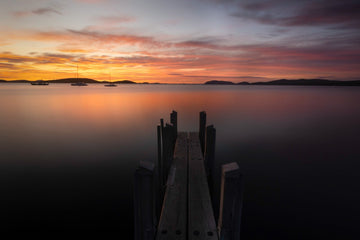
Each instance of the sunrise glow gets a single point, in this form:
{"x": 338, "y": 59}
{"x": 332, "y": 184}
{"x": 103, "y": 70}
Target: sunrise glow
{"x": 186, "y": 41}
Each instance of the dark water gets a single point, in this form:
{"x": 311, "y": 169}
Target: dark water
{"x": 68, "y": 154}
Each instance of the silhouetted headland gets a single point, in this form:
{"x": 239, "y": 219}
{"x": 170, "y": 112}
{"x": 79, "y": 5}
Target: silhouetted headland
{"x": 280, "y": 82}
{"x": 219, "y": 82}
{"x": 298, "y": 82}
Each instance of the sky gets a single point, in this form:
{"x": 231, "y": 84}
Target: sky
{"x": 173, "y": 41}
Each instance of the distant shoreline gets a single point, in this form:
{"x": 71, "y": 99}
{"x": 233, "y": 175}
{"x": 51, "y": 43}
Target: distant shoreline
{"x": 287, "y": 82}
{"x": 280, "y": 82}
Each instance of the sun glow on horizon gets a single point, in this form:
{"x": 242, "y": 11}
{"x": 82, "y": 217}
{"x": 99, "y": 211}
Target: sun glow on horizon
{"x": 200, "y": 41}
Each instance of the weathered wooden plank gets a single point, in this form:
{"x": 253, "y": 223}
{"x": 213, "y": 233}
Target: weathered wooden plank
{"x": 201, "y": 222}
{"x": 173, "y": 219}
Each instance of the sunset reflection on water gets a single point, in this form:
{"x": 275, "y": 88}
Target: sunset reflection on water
{"x": 76, "y": 148}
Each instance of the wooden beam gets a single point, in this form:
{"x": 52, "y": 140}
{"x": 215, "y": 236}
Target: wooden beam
{"x": 173, "y": 220}
{"x": 201, "y": 222}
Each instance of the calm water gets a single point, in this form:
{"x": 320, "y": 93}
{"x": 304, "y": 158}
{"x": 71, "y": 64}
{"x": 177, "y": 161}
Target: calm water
{"x": 68, "y": 154}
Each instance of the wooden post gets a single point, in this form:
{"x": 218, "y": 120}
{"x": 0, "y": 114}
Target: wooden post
{"x": 202, "y": 125}
{"x": 209, "y": 162}
{"x": 173, "y": 121}
{"x": 173, "y": 219}
{"x": 159, "y": 172}
{"x": 168, "y": 150}
{"x": 210, "y": 137}
{"x": 231, "y": 198}
{"x": 144, "y": 202}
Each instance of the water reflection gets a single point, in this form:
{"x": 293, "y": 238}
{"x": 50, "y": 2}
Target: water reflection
{"x": 68, "y": 154}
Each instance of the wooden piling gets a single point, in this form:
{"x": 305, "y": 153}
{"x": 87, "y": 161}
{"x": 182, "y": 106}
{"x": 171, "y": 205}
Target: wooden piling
{"x": 168, "y": 149}
{"x": 173, "y": 121}
{"x": 144, "y": 202}
{"x": 210, "y": 137}
{"x": 202, "y": 126}
{"x": 178, "y": 189}
{"x": 159, "y": 173}
{"x": 209, "y": 156}
{"x": 231, "y": 198}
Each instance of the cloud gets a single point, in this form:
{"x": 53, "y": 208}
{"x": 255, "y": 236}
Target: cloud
{"x": 175, "y": 74}
{"x": 84, "y": 39}
{"x": 113, "y": 20}
{"x": 21, "y": 13}
{"x": 91, "y": 1}
{"x": 308, "y": 13}
{"x": 39, "y": 11}
{"x": 8, "y": 57}
{"x": 42, "y": 11}
{"x": 7, "y": 66}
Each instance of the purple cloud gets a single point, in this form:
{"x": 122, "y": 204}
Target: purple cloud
{"x": 309, "y": 13}
{"x": 39, "y": 11}
{"x": 42, "y": 11}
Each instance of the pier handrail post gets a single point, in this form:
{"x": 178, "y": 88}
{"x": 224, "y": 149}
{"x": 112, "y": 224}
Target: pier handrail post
{"x": 144, "y": 202}
{"x": 231, "y": 198}
{"x": 202, "y": 126}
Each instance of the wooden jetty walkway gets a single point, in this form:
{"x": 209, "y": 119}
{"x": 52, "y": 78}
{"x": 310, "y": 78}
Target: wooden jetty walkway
{"x": 172, "y": 198}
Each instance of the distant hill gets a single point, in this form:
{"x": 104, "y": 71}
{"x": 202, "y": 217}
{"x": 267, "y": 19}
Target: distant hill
{"x": 243, "y": 83}
{"x": 310, "y": 82}
{"x": 298, "y": 82}
{"x": 219, "y": 82}
{"x": 87, "y": 80}
{"x": 125, "y": 82}
{"x": 73, "y": 80}
{"x": 19, "y": 81}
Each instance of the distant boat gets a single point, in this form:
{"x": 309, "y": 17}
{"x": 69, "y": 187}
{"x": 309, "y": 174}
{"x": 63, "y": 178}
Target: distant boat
{"x": 79, "y": 84}
{"x": 110, "y": 84}
{"x": 40, "y": 82}
{"x": 77, "y": 79}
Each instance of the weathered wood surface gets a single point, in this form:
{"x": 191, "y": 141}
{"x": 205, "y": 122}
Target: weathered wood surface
{"x": 173, "y": 219}
{"x": 202, "y": 129}
{"x": 230, "y": 202}
{"x": 144, "y": 211}
{"x": 201, "y": 222}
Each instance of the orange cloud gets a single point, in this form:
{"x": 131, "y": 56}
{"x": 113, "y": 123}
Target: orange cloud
{"x": 92, "y": 1}
{"x": 147, "y": 58}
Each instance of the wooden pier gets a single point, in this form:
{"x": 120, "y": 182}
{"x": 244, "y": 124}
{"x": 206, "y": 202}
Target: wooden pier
{"x": 172, "y": 198}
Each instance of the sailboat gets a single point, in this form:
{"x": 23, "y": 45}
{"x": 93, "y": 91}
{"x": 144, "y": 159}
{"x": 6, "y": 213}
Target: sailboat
{"x": 77, "y": 79}
{"x": 110, "y": 84}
